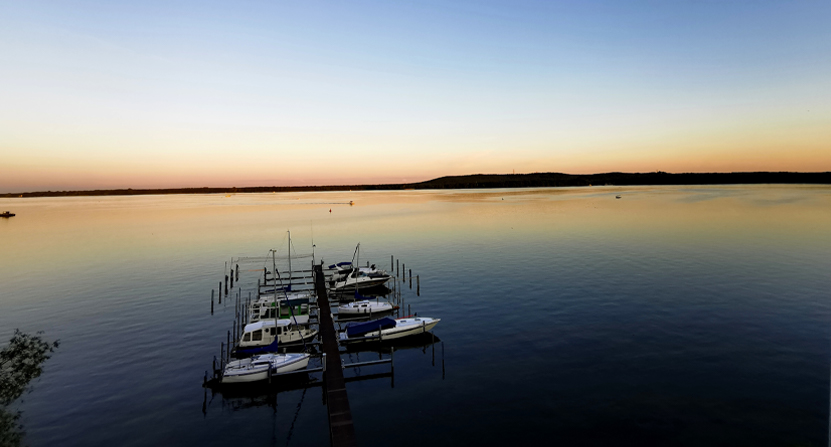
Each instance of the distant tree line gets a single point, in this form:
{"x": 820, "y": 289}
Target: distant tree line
{"x": 535, "y": 180}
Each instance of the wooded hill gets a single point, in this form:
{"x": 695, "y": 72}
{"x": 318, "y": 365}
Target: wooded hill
{"x": 536, "y": 180}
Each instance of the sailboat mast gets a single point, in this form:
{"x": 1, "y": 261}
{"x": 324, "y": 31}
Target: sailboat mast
{"x": 290, "y": 273}
{"x": 274, "y": 267}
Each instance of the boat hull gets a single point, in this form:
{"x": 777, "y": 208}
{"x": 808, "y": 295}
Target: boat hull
{"x": 362, "y": 284}
{"x": 393, "y": 333}
{"x": 371, "y": 308}
{"x": 412, "y": 326}
{"x": 236, "y": 372}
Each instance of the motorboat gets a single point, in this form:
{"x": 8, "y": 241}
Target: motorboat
{"x": 257, "y": 368}
{"x": 364, "y": 307}
{"x": 291, "y": 306}
{"x": 7, "y": 214}
{"x": 359, "y": 279}
{"x": 348, "y": 277}
{"x": 266, "y": 335}
{"x": 388, "y": 328}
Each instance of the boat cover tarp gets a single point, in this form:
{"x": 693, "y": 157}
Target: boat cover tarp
{"x": 360, "y": 329}
{"x": 340, "y": 264}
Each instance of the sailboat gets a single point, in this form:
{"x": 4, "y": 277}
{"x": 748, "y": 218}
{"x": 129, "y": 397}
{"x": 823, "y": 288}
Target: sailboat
{"x": 267, "y": 334}
{"x": 349, "y": 278}
{"x": 388, "y": 329}
{"x": 257, "y": 368}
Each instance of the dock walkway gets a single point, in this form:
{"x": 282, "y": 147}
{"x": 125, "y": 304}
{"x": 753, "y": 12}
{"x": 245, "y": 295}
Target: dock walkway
{"x": 341, "y": 430}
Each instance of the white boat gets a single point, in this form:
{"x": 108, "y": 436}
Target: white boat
{"x": 269, "y": 335}
{"x": 257, "y": 368}
{"x": 291, "y": 305}
{"x": 347, "y": 277}
{"x": 364, "y": 307}
{"x": 388, "y": 328}
{"x": 361, "y": 280}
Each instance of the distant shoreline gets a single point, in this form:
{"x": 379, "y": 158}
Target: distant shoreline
{"x": 481, "y": 181}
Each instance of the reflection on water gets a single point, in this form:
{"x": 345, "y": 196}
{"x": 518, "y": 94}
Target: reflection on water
{"x": 671, "y": 316}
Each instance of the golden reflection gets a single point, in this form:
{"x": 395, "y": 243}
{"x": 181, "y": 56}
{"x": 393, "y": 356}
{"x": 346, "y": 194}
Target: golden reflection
{"x": 83, "y": 232}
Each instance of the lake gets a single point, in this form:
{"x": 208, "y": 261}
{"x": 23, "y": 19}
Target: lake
{"x": 689, "y": 316}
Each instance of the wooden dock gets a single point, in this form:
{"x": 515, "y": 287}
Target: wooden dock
{"x": 341, "y": 430}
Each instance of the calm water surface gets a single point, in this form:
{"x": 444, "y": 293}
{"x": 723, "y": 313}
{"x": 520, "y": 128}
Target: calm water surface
{"x": 690, "y": 316}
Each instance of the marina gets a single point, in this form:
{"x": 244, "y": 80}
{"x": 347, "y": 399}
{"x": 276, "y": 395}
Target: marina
{"x": 290, "y": 310}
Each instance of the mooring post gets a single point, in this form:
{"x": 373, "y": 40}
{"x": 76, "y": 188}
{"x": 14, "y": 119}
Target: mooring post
{"x": 226, "y": 285}
{"x": 418, "y": 286}
{"x": 220, "y": 292}
{"x": 212, "y": 301}
{"x": 404, "y": 271}
{"x": 229, "y": 346}
{"x": 237, "y": 270}
{"x": 411, "y": 278}
{"x": 397, "y": 265}
{"x": 392, "y": 264}
{"x": 442, "y": 360}
{"x": 232, "y": 278}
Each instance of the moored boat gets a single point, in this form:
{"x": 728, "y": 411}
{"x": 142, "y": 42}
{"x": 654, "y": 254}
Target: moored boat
{"x": 257, "y": 368}
{"x": 364, "y": 307}
{"x": 291, "y": 305}
{"x": 360, "y": 280}
{"x": 266, "y": 335}
{"x": 388, "y": 328}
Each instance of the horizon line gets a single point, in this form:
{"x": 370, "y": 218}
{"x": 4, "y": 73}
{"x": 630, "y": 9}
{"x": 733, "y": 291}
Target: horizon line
{"x": 383, "y": 186}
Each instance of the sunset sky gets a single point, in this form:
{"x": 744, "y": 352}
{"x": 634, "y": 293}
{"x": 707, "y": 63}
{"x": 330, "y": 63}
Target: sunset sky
{"x": 153, "y": 94}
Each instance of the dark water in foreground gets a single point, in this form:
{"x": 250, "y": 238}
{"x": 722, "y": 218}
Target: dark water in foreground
{"x": 690, "y": 316}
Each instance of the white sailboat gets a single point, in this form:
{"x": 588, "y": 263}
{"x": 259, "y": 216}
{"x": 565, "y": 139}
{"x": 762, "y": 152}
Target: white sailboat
{"x": 388, "y": 328}
{"x": 364, "y": 307}
{"x": 257, "y": 368}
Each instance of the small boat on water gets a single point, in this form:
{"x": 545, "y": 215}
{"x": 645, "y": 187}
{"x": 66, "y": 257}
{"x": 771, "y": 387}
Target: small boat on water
{"x": 359, "y": 279}
{"x": 364, "y": 307}
{"x": 266, "y": 335}
{"x": 289, "y": 306}
{"x": 388, "y": 328}
{"x": 348, "y": 277}
{"x": 257, "y": 368}
{"x": 7, "y": 214}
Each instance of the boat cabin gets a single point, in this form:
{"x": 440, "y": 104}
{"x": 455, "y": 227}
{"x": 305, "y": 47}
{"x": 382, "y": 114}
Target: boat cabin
{"x": 264, "y": 332}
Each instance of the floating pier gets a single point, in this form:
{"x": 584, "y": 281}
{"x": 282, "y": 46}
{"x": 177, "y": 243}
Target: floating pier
{"x": 272, "y": 281}
{"x": 341, "y": 430}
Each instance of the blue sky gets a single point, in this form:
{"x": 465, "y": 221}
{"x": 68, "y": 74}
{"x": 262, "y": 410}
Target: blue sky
{"x": 155, "y": 94}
